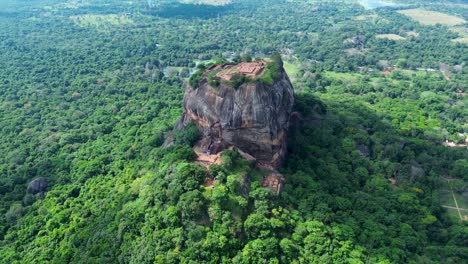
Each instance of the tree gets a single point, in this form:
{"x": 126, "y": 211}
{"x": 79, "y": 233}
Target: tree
{"x": 247, "y": 57}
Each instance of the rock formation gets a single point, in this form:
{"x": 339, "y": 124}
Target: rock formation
{"x": 38, "y": 186}
{"x": 254, "y": 117}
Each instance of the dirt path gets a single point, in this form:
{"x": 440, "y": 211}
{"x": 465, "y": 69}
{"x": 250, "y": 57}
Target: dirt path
{"x": 451, "y": 207}
{"x": 209, "y": 183}
{"x": 456, "y": 204}
{"x": 446, "y": 76}
{"x": 206, "y": 160}
{"x": 454, "y": 199}
{"x": 451, "y": 144}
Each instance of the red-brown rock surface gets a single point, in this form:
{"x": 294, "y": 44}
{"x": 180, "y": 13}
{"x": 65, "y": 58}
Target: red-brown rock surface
{"x": 253, "y": 118}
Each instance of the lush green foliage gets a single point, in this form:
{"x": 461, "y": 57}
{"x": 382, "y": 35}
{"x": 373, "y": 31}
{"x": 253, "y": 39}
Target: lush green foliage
{"x": 272, "y": 70}
{"x": 214, "y": 80}
{"x": 237, "y": 80}
{"x": 87, "y": 104}
{"x": 194, "y": 80}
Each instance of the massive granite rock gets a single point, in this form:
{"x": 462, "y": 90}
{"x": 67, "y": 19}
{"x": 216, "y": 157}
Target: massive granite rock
{"x": 253, "y": 117}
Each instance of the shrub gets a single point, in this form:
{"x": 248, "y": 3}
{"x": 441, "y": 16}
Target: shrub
{"x": 247, "y": 58}
{"x": 271, "y": 73}
{"x": 195, "y": 79}
{"x": 272, "y": 69}
{"x": 214, "y": 80}
{"x": 237, "y": 80}
{"x": 187, "y": 136}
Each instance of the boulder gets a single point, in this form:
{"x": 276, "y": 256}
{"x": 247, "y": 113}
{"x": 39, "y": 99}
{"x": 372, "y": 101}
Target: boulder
{"x": 38, "y": 186}
{"x": 364, "y": 150}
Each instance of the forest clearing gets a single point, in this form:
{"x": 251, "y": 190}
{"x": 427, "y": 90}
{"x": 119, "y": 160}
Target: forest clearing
{"x": 390, "y": 36}
{"x": 432, "y": 18}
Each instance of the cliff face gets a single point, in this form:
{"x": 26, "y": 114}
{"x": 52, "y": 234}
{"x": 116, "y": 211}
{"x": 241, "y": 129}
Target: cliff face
{"x": 253, "y": 118}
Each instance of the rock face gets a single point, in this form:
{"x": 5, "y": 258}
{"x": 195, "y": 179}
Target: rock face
{"x": 38, "y": 185}
{"x": 253, "y": 118}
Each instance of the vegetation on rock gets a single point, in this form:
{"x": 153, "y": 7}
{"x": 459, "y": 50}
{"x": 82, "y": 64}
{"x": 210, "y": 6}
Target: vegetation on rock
{"x": 86, "y": 106}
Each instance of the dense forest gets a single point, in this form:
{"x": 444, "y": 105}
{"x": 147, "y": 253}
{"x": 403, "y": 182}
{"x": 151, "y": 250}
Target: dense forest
{"x": 89, "y": 89}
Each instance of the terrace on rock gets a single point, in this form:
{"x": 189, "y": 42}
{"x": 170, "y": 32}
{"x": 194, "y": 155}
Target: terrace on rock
{"x": 248, "y": 69}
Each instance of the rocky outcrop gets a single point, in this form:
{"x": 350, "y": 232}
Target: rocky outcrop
{"x": 253, "y": 117}
{"x": 38, "y": 186}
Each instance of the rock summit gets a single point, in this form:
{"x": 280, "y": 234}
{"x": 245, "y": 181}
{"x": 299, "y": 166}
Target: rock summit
{"x": 245, "y": 105}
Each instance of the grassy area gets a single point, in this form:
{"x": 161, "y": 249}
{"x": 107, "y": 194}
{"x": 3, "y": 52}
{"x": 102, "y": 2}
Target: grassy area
{"x": 462, "y": 202}
{"x": 453, "y": 214}
{"x": 291, "y": 69}
{"x": 347, "y": 77}
{"x": 366, "y": 17}
{"x": 463, "y": 35}
{"x": 461, "y": 40}
{"x": 390, "y": 36}
{"x": 462, "y": 30}
{"x": 206, "y": 62}
{"x": 101, "y": 21}
{"x": 446, "y": 198}
{"x": 207, "y": 2}
{"x": 431, "y": 18}
{"x": 412, "y": 34}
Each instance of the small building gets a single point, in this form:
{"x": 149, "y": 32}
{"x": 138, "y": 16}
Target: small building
{"x": 386, "y": 72}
